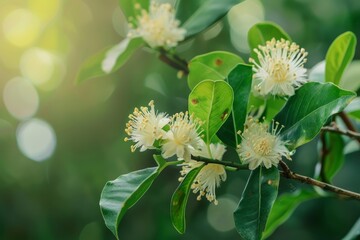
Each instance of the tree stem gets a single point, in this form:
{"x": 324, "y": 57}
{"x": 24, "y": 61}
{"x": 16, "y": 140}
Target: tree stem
{"x": 308, "y": 180}
{"x": 287, "y": 173}
{"x": 174, "y": 61}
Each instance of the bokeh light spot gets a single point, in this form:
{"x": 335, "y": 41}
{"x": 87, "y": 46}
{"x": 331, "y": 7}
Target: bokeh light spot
{"x": 36, "y": 139}
{"x": 37, "y": 65}
{"x": 21, "y": 27}
{"x": 20, "y": 98}
{"x": 220, "y": 216}
{"x": 45, "y": 10}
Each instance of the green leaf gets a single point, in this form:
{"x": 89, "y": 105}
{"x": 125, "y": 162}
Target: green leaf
{"x": 122, "y": 193}
{"x": 265, "y": 31}
{"x": 211, "y": 101}
{"x": 179, "y": 200}
{"x": 283, "y": 208}
{"x": 255, "y": 204}
{"x": 334, "y": 158}
{"x": 214, "y": 65}
{"x": 354, "y": 232}
{"x": 196, "y": 15}
{"x": 109, "y": 60}
{"x": 307, "y": 111}
{"x": 339, "y": 55}
{"x": 128, "y": 6}
{"x": 239, "y": 79}
{"x": 273, "y": 107}
{"x": 351, "y": 78}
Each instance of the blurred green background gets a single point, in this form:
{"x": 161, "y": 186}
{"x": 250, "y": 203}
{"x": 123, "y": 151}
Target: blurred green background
{"x": 60, "y": 142}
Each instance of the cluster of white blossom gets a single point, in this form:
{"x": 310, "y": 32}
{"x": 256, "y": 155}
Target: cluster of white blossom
{"x": 158, "y": 26}
{"x": 178, "y": 135}
{"x": 280, "y": 68}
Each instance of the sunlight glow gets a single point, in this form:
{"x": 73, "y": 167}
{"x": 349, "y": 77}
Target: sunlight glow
{"x": 20, "y": 98}
{"x": 21, "y": 27}
{"x": 36, "y": 139}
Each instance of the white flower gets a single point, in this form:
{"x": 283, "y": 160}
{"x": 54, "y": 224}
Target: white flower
{"x": 280, "y": 69}
{"x": 259, "y": 146}
{"x": 158, "y": 27}
{"x": 210, "y": 176}
{"x": 145, "y": 126}
{"x": 183, "y": 136}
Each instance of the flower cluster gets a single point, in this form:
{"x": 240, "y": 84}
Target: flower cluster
{"x": 280, "y": 70}
{"x": 261, "y": 146}
{"x": 158, "y": 27}
{"x": 178, "y": 135}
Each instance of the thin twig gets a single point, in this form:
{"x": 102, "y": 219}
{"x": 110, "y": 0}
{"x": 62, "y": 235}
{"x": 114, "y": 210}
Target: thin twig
{"x": 225, "y": 163}
{"x": 308, "y": 180}
{"x": 323, "y": 154}
{"x": 347, "y": 122}
{"x": 348, "y": 133}
{"x": 287, "y": 173}
{"x": 174, "y": 61}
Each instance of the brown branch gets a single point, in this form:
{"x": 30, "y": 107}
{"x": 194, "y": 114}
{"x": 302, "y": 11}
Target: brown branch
{"x": 174, "y": 61}
{"x": 323, "y": 154}
{"x": 349, "y": 133}
{"x": 287, "y": 173}
{"x": 308, "y": 180}
{"x": 347, "y": 122}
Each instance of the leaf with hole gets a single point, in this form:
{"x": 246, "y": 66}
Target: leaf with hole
{"x": 214, "y": 65}
{"x": 211, "y": 102}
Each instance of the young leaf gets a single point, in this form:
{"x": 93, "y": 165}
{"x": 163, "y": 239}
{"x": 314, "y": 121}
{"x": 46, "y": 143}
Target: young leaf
{"x": 354, "y": 232}
{"x": 306, "y": 112}
{"x": 109, "y": 60}
{"x": 214, "y": 65}
{"x": 334, "y": 158}
{"x": 339, "y": 55}
{"x": 179, "y": 200}
{"x": 122, "y": 193}
{"x": 284, "y": 206}
{"x": 211, "y": 101}
{"x": 128, "y": 6}
{"x": 196, "y": 15}
{"x": 239, "y": 79}
{"x": 255, "y": 204}
{"x": 265, "y": 31}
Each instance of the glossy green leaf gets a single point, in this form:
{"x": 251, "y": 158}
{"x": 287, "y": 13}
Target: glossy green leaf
{"x": 265, "y": 31}
{"x": 351, "y": 78}
{"x": 109, "y": 60}
{"x": 283, "y": 208}
{"x": 307, "y": 111}
{"x": 197, "y": 15}
{"x": 354, "y": 232}
{"x": 211, "y": 101}
{"x": 239, "y": 79}
{"x": 214, "y": 65}
{"x": 256, "y": 202}
{"x": 179, "y": 200}
{"x": 334, "y": 158}
{"x": 339, "y": 55}
{"x": 128, "y": 6}
{"x": 122, "y": 193}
